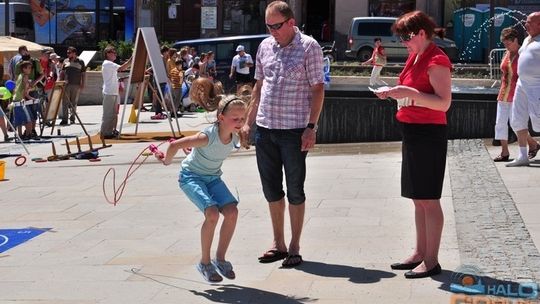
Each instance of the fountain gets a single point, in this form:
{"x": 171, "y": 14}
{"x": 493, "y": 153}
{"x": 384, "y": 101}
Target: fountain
{"x": 352, "y": 113}
{"x": 472, "y": 25}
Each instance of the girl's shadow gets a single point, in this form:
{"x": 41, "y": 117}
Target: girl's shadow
{"x": 355, "y": 274}
{"x": 234, "y": 294}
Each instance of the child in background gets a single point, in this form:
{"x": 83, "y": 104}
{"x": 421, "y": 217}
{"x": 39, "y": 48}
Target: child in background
{"x": 211, "y": 65}
{"x": 171, "y": 61}
{"x": 200, "y": 179}
{"x": 177, "y": 77}
{"x": 378, "y": 60}
{"x": 21, "y": 96}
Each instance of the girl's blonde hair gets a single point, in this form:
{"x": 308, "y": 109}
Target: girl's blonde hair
{"x": 228, "y": 102}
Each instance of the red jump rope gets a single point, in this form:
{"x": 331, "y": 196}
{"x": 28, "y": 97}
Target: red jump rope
{"x": 154, "y": 149}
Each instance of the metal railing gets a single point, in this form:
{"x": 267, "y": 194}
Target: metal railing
{"x": 495, "y": 59}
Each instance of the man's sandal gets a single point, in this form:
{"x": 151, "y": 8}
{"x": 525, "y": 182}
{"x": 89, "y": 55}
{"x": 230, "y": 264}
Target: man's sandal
{"x": 273, "y": 255}
{"x": 292, "y": 260}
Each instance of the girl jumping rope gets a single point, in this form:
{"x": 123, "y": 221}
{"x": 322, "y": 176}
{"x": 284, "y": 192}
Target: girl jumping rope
{"x": 200, "y": 179}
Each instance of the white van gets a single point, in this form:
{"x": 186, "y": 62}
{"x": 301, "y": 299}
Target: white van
{"x": 21, "y": 22}
{"x": 364, "y": 29}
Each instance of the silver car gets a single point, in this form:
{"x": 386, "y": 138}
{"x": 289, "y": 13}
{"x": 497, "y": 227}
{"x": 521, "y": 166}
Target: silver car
{"x": 364, "y": 29}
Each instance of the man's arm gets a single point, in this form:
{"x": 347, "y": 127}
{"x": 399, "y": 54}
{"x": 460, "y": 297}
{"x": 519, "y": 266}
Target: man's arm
{"x": 317, "y": 93}
{"x": 254, "y": 104}
{"x": 309, "y": 136}
{"x": 249, "y": 62}
{"x": 251, "y": 114}
{"x": 231, "y": 74}
{"x": 83, "y": 74}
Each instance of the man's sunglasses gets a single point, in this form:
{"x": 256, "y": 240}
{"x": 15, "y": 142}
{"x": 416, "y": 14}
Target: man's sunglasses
{"x": 407, "y": 37}
{"x": 276, "y": 26}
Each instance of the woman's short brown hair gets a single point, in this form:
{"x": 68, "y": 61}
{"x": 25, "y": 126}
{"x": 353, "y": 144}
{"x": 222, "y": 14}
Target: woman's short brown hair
{"x": 413, "y": 22}
{"x": 509, "y": 33}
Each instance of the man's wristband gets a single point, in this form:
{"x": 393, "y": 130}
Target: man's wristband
{"x": 312, "y": 126}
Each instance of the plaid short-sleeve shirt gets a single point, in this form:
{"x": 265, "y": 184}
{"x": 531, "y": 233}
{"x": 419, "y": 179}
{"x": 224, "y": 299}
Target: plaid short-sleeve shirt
{"x": 287, "y": 74}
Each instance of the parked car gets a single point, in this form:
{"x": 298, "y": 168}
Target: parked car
{"x": 224, "y": 49}
{"x": 364, "y": 29}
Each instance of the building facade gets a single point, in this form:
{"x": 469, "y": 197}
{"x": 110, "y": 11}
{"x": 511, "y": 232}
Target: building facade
{"x": 83, "y": 23}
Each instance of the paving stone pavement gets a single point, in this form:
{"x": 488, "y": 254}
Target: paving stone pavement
{"x": 144, "y": 249}
{"x": 491, "y": 232}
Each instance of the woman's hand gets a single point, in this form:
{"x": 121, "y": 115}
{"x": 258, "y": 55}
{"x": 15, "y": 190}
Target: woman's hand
{"x": 396, "y": 92}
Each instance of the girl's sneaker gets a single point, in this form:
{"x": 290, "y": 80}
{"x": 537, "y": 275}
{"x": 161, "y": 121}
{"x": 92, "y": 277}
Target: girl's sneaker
{"x": 224, "y": 268}
{"x": 209, "y": 273}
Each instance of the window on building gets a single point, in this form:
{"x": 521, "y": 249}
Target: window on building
{"x": 390, "y": 8}
{"x": 24, "y": 20}
{"x": 243, "y": 17}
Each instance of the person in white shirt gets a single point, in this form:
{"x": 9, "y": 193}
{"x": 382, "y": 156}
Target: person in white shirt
{"x": 110, "y": 71}
{"x": 526, "y": 102}
{"x": 240, "y": 67}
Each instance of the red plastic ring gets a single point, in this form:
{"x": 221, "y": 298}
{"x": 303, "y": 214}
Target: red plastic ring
{"x": 20, "y": 160}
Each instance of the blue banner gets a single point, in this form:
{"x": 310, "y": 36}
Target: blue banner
{"x": 129, "y": 34}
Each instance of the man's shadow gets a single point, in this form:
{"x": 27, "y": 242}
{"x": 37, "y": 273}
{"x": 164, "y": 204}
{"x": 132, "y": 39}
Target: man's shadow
{"x": 357, "y": 275}
{"x": 234, "y": 294}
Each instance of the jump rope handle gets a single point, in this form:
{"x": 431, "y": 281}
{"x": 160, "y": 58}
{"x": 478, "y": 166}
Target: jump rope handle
{"x": 155, "y": 150}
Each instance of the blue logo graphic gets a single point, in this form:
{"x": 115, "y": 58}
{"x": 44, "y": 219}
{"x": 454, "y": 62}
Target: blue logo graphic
{"x": 470, "y": 280}
{"x": 10, "y": 238}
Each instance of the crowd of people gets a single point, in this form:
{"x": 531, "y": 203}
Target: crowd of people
{"x": 185, "y": 65}
{"x": 30, "y": 84}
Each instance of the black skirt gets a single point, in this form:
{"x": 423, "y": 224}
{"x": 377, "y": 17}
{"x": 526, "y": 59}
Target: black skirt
{"x": 424, "y": 160}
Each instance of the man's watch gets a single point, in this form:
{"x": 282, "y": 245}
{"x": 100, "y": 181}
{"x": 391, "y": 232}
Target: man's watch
{"x": 312, "y": 126}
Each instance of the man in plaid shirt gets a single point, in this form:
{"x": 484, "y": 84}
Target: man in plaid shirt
{"x": 286, "y": 103}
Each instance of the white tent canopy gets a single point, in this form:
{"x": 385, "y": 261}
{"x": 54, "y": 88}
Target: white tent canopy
{"x": 9, "y": 46}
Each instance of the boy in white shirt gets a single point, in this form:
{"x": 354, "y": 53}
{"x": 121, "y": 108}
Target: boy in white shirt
{"x": 110, "y": 71}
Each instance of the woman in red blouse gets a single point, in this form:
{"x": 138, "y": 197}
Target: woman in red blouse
{"x": 509, "y": 62}
{"x": 424, "y": 95}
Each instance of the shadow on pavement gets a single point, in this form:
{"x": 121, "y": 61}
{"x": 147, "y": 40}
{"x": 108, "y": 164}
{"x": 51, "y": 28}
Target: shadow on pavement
{"x": 232, "y": 293}
{"x": 226, "y": 293}
{"x": 354, "y": 274}
{"x": 445, "y": 278}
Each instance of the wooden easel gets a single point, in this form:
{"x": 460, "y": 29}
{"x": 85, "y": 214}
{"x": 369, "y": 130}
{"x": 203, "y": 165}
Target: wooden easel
{"x": 53, "y": 105}
{"x": 139, "y": 100}
{"x": 147, "y": 49}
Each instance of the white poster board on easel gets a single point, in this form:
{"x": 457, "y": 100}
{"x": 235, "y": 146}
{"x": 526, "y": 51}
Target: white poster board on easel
{"x": 147, "y": 48}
